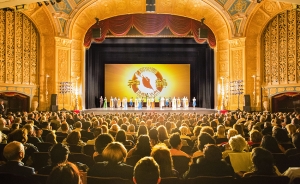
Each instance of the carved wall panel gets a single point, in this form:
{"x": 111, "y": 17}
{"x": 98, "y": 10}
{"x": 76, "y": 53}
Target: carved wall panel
{"x": 18, "y": 49}
{"x": 280, "y": 41}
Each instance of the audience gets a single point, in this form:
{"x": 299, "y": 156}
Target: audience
{"x": 65, "y": 173}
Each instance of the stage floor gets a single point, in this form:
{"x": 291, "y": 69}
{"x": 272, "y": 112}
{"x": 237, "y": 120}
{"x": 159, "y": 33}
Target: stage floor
{"x": 156, "y": 109}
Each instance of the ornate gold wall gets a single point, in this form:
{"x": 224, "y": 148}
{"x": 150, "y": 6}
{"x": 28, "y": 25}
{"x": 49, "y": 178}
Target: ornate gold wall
{"x": 19, "y": 42}
{"x": 281, "y": 53}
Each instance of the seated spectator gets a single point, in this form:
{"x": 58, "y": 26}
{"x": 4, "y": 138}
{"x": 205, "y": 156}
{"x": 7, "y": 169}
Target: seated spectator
{"x": 74, "y": 138}
{"x": 255, "y": 139}
{"x": 263, "y": 163}
{"x": 31, "y": 135}
{"x": 270, "y": 143}
{"x": 101, "y": 142}
{"x": 210, "y": 165}
{"x": 291, "y": 129}
{"x": 296, "y": 142}
{"x": 121, "y": 137}
{"x": 220, "y": 132}
{"x": 51, "y": 138}
{"x": 176, "y": 145}
{"x": 153, "y": 135}
{"x": 64, "y": 130}
{"x": 65, "y": 173}
{"x": 162, "y": 133}
{"x": 97, "y": 131}
{"x": 267, "y": 129}
{"x": 146, "y": 171}
{"x": 55, "y": 122}
{"x": 14, "y": 152}
{"x": 282, "y": 138}
{"x": 203, "y": 139}
{"x": 114, "y": 155}
{"x": 46, "y": 128}
{"x": 162, "y": 156}
{"x": 14, "y": 126}
{"x": 3, "y": 125}
{"x": 20, "y": 135}
{"x": 85, "y": 131}
{"x": 142, "y": 147}
{"x": 237, "y": 157}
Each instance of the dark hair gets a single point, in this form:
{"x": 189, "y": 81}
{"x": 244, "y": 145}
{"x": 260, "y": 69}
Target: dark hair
{"x": 296, "y": 140}
{"x": 102, "y": 141}
{"x": 281, "y": 135}
{"x": 142, "y": 130}
{"x": 59, "y": 153}
{"x": 263, "y": 161}
{"x": 86, "y": 125}
{"x": 73, "y": 137}
{"x": 256, "y": 136}
{"x": 270, "y": 143}
{"x": 203, "y": 139}
{"x": 18, "y": 135}
{"x": 153, "y": 134}
{"x": 175, "y": 140}
{"x": 64, "y": 173}
{"x": 121, "y": 136}
{"x": 212, "y": 153}
{"x": 146, "y": 171}
{"x": 143, "y": 147}
{"x": 162, "y": 156}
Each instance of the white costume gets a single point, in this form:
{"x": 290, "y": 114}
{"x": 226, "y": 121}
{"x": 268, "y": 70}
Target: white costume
{"x": 162, "y": 102}
{"x": 174, "y": 103}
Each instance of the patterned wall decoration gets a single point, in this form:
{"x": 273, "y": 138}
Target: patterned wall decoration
{"x": 237, "y": 24}
{"x": 239, "y": 6}
{"x": 63, "y": 6}
{"x": 222, "y": 2}
{"x": 18, "y": 49}
{"x": 63, "y": 23}
{"x": 281, "y": 43}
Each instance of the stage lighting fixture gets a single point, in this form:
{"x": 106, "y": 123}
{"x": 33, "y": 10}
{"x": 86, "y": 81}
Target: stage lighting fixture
{"x": 40, "y": 4}
{"x": 53, "y": 3}
{"x": 46, "y": 3}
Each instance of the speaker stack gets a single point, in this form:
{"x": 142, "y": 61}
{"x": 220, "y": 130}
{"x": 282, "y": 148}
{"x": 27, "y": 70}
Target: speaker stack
{"x": 246, "y": 106}
{"x": 54, "y": 106}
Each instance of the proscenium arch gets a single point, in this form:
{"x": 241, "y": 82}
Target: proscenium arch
{"x": 194, "y": 9}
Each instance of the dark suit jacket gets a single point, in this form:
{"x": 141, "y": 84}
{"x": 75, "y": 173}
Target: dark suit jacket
{"x": 106, "y": 169}
{"x": 88, "y": 135}
{"x": 17, "y": 168}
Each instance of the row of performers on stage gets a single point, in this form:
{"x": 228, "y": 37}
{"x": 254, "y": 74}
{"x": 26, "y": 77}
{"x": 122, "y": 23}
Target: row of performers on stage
{"x": 150, "y": 102}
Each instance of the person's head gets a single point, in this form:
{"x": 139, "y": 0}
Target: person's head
{"x": 203, "y": 139}
{"x": 296, "y": 140}
{"x": 262, "y": 160}
{"x": 64, "y": 173}
{"x": 231, "y": 132}
{"x": 51, "y": 137}
{"x": 184, "y": 130}
{"x": 19, "y": 135}
{"x": 59, "y": 153}
{"x": 175, "y": 141}
{"x": 163, "y": 157}
{"x": 121, "y": 136}
{"x": 291, "y": 129}
{"x": 280, "y": 135}
{"x": 208, "y": 130}
{"x": 142, "y": 130}
{"x": 102, "y": 141}
{"x": 221, "y": 130}
{"x": 73, "y": 137}
{"x": 143, "y": 145}
{"x": 64, "y": 127}
{"x": 256, "y": 136}
{"x": 270, "y": 143}
{"x": 212, "y": 153}
{"x": 162, "y": 133}
{"x": 29, "y": 128}
{"x": 146, "y": 171}
{"x": 237, "y": 143}
{"x": 45, "y": 125}
{"x": 114, "y": 152}
{"x": 14, "y": 151}
{"x": 97, "y": 131}
{"x": 78, "y": 125}
{"x": 239, "y": 127}
{"x": 153, "y": 134}
{"x": 197, "y": 130}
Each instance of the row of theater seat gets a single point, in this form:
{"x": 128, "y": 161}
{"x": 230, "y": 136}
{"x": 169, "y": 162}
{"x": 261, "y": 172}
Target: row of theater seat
{"x": 42, "y": 179}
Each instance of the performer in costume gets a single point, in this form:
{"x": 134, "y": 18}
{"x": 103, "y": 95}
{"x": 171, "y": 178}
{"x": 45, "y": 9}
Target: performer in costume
{"x": 153, "y": 102}
{"x": 119, "y": 102}
{"x": 174, "y": 103}
{"x": 178, "y": 102}
{"x": 101, "y": 101}
{"x": 140, "y": 103}
{"x": 148, "y": 102}
{"x": 194, "y": 102}
{"x": 162, "y": 102}
{"x": 115, "y": 102}
{"x": 136, "y": 102}
{"x": 111, "y": 102}
{"x": 125, "y": 102}
{"x": 167, "y": 102}
{"x": 187, "y": 102}
{"x": 105, "y": 103}
{"x": 170, "y": 102}
{"x": 131, "y": 102}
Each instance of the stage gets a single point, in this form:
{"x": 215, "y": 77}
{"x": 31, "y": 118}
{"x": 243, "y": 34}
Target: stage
{"x": 156, "y": 109}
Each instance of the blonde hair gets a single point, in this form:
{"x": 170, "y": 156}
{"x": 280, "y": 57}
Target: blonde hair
{"x": 114, "y": 152}
{"x": 237, "y": 143}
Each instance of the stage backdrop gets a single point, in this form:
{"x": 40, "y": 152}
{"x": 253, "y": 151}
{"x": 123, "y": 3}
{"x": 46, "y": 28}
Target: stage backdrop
{"x": 147, "y": 80}
{"x": 115, "y": 64}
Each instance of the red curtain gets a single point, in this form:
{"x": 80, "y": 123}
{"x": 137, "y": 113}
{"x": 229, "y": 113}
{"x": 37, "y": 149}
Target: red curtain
{"x": 149, "y": 25}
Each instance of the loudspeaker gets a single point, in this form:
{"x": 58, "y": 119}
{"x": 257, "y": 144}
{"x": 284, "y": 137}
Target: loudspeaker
{"x": 96, "y": 33}
{"x": 54, "y": 108}
{"x": 246, "y": 100}
{"x": 247, "y": 108}
{"x": 53, "y": 99}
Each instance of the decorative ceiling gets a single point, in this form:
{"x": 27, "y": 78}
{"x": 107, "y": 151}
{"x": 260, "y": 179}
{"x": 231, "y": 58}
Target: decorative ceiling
{"x": 236, "y": 11}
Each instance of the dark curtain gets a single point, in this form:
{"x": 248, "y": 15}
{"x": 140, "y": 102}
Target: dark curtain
{"x": 152, "y": 51}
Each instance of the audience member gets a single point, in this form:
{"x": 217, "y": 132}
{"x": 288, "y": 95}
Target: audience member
{"x": 146, "y": 171}
{"x": 65, "y": 173}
